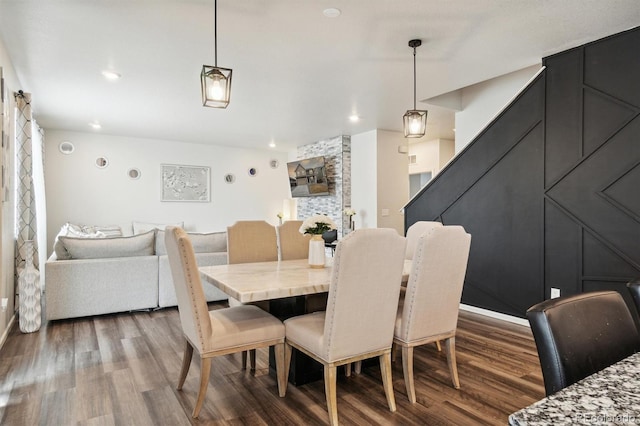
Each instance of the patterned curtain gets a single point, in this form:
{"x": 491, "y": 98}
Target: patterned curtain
{"x": 26, "y": 228}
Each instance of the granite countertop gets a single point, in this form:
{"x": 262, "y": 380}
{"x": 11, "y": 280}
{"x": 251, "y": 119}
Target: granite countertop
{"x": 608, "y": 397}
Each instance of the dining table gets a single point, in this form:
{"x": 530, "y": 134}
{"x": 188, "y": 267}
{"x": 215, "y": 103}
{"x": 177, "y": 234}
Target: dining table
{"x": 609, "y": 397}
{"x": 285, "y": 284}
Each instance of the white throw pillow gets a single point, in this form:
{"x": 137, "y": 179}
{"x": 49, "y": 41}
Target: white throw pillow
{"x": 76, "y": 231}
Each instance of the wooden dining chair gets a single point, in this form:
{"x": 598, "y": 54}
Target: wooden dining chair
{"x": 251, "y": 241}
{"x": 429, "y": 311}
{"x": 218, "y": 332}
{"x": 358, "y": 323}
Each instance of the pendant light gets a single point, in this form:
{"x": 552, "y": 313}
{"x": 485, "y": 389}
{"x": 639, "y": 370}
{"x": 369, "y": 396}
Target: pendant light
{"x": 215, "y": 82}
{"x": 415, "y": 121}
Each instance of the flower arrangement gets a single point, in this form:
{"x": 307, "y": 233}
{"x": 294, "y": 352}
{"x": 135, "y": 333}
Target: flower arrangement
{"x": 349, "y": 212}
{"x": 317, "y": 225}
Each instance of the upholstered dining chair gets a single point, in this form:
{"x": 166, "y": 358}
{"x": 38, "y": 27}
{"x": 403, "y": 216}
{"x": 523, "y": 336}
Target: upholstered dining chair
{"x": 581, "y": 334}
{"x": 414, "y": 232}
{"x": 217, "y": 332}
{"x": 634, "y": 290}
{"x": 358, "y": 322}
{"x": 429, "y": 310}
{"x": 292, "y": 244}
{"x": 251, "y": 241}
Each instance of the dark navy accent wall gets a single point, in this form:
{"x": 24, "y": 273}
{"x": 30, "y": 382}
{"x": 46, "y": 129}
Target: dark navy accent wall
{"x": 550, "y": 190}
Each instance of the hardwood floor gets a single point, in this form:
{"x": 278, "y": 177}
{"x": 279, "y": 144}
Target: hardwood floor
{"x": 123, "y": 369}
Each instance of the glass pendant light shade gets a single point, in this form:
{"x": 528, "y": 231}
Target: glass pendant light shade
{"x": 215, "y": 81}
{"x": 415, "y": 123}
{"x": 216, "y": 86}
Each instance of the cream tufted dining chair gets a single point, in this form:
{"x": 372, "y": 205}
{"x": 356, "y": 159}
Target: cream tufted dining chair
{"x": 292, "y": 244}
{"x": 429, "y": 311}
{"x": 217, "y": 332}
{"x": 414, "y": 232}
{"x": 367, "y": 262}
{"x": 251, "y": 241}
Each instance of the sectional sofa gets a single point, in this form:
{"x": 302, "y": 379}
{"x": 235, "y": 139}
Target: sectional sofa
{"x": 94, "y": 276}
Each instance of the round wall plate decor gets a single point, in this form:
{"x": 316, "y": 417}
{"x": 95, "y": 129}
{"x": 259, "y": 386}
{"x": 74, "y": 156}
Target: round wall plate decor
{"x": 102, "y": 162}
{"x": 134, "y": 173}
{"x": 66, "y": 147}
{"x": 229, "y": 178}
{"x": 253, "y": 171}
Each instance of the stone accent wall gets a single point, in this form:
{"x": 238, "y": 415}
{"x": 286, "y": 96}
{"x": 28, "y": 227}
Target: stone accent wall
{"x": 337, "y": 156}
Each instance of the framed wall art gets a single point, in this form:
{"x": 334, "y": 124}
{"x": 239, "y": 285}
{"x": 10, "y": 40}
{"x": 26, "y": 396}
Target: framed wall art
{"x": 186, "y": 183}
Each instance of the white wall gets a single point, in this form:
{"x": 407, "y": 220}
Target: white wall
{"x": 364, "y": 165}
{"x": 79, "y": 192}
{"x": 393, "y": 180}
{"x": 379, "y": 179}
{"x": 483, "y": 101}
{"x": 431, "y": 156}
{"x": 7, "y": 208}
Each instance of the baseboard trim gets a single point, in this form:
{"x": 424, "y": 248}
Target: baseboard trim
{"x": 7, "y": 330}
{"x": 493, "y": 314}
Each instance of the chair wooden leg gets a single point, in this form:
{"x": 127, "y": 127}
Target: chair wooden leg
{"x": 186, "y": 363}
{"x": 450, "y": 349}
{"x": 438, "y": 346}
{"x": 330, "y": 393}
{"x": 347, "y": 370}
{"x": 387, "y": 381}
{"x": 205, "y": 370}
{"x": 407, "y": 369}
{"x": 244, "y": 359}
{"x": 358, "y": 367}
{"x": 252, "y": 359}
{"x": 287, "y": 360}
{"x": 280, "y": 369}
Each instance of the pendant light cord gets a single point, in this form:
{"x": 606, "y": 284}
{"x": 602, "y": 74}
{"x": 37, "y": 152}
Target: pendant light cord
{"x": 215, "y": 35}
{"x": 414, "y": 78}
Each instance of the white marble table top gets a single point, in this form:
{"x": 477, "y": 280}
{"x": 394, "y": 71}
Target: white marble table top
{"x": 252, "y": 282}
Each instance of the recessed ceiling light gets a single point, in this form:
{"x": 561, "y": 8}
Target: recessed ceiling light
{"x": 95, "y": 125}
{"x": 354, "y": 118}
{"x": 111, "y": 75}
{"x": 272, "y": 144}
{"x": 331, "y": 12}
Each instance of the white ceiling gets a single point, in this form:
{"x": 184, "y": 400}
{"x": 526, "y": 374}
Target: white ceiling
{"x": 297, "y": 75}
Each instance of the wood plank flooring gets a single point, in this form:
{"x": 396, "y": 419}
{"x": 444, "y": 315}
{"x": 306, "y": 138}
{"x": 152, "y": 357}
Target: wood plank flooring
{"x": 122, "y": 370}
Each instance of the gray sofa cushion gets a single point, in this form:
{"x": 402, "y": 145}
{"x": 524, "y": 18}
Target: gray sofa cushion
{"x": 213, "y": 242}
{"x": 142, "y": 227}
{"x": 97, "y": 248}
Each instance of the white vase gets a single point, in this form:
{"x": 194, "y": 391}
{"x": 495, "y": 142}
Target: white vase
{"x": 29, "y": 291}
{"x": 316, "y": 252}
